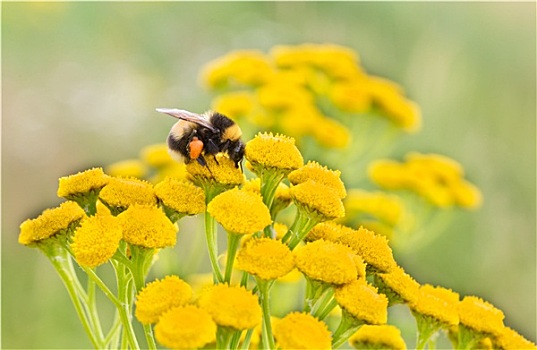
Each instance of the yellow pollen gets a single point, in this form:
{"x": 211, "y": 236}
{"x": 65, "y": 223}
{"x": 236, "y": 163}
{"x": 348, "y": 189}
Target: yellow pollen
{"x": 83, "y": 182}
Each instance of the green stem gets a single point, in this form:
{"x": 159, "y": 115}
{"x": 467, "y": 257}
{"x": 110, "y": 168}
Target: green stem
{"x": 123, "y": 303}
{"x": 302, "y": 231}
{"x": 264, "y": 294}
{"x": 233, "y": 241}
{"x": 210, "y": 235}
{"x": 324, "y": 304}
{"x": 347, "y": 326}
{"x": 246, "y": 342}
{"x": 427, "y": 329}
{"x": 111, "y": 340}
{"x": 223, "y": 337}
{"x": 60, "y": 260}
{"x": 92, "y": 308}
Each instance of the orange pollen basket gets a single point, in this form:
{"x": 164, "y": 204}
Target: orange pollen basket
{"x": 196, "y": 146}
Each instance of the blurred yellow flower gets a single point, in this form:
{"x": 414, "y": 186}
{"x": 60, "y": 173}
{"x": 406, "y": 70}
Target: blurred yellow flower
{"x": 147, "y": 226}
{"x": 185, "y": 327}
{"x": 96, "y": 240}
{"x": 159, "y": 296}
{"x": 383, "y": 206}
{"x": 133, "y": 168}
{"x": 378, "y": 337}
{"x": 50, "y": 222}
{"x": 328, "y": 230}
{"x": 156, "y": 155}
{"x": 236, "y": 104}
{"x": 244, "y": 67}
{"x": 265, "y": 258}
{"x": 230, "y": 306}
{"x": 299, "y": 330}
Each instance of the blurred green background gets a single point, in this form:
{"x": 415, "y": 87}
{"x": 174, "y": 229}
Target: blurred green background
{"x": 80, "y": 82}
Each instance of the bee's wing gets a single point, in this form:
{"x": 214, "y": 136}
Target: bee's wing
{"x": 188, "y": 116}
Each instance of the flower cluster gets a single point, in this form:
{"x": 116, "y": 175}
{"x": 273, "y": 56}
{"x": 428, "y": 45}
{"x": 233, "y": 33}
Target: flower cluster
{"x": 307, "y": 90}
{"x": 308, "y": 262}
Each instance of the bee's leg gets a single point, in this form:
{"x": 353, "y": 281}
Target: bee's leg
{"x": 216, "y": 160}
{"x": 201, "y": 160}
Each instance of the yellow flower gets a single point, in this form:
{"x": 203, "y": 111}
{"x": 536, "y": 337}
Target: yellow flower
{"x": 398, "y": 286}
{"x": 329, "y": 262}
{"x": 299, "y": 330}
{"x": 481, "y": 316}
{"x": 240, "y": 211}
{"x": 234, "y": 104}
{"x": 331, "y": 133}
{"x": 373, "y": 248}
{"x": 174, "y": 169}
{"x": 156, "y": 155}
{"x": 336, "y": 61}
{"x": 328, "y": 230}
{"x": 147, "y": 226}
{"x": 278, "y": 96}
{"x": 320, "y": 174}
{"x": 266, "y": 150}
{"x": 363, "y": 302}
{"x": 96, "y": 240}
{"x": 121, "y": 193}
{"x": 437, "y": 303}
{"x": 181, "y": 196}
{"x": 378, "y": 337}
{"x": 466, "y": 194}
{"x": 386, "y": 207}
{"x": 50, "y": 222}
{"x": 243, "y": 67}
{"x": 230, "y": 306}
{"x": 318, "y": 199}
{"x": 185, "y": 327}
{"x": 220, "y": 169}
{"x": 160, "y": 296}
{"x": 83, "y": 182}
{"x": 351, "y": 96}
{"x": 387, "y": 174}
{"x": 510, "y": 339}
{"x": 127, "y": 168}
{"x": 282, "y": 199}
{"x": 265, "y": 258}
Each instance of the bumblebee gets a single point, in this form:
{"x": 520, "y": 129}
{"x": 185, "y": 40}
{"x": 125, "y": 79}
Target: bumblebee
{"x": 195, "y": 136}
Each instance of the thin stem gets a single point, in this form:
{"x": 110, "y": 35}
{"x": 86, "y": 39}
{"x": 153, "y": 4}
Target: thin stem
{"x": 347, "y": 326}
{"x": 92, "y": 308}
{"x": 246, "y": 342}
{"x": 233, "y": 241}
{"x": 59, "y": 259}
{"x": 264, "y": 294}
{"x": 210, "y": 235}
{"x": 111, "y": 340}
{"x": 302, "y": 231}
{"x": 324, "y": 304}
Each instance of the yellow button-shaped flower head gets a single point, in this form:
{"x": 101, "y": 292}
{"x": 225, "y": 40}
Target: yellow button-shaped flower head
{"x": 219, "y": 170}
{"x": 267, "y": 150}
{"x": 265, "y": 258}
{"x": 398, "y": 286}
{"x": 240, "y": 211}
{"x": 121, "y": 193}
{"x": 363, "y": 302}
{"x": 160, "y": 296}
{"x": 182, "y": 197}
{"x": 318, "y": 200}
{"x": 96, "y": 240}
{"x": 320, "y": 174}
{"x": 81, "y": 183}
{"x": 437, "y": 303}
{"x": 378, "y": 337}
{"x": 329, "y": 262}
{"x": 510, "y": 339}
{"x": 480, "y": 315}
{"x": 300, "y": 330}
{"x": 328, "y": 230}
{"x": 231, "y": 306}
{"x": 185, "y": 327}
{"x": 147, "y": 226}
{"x": 373, "y": 248}
{"x": 50, "y": 222}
